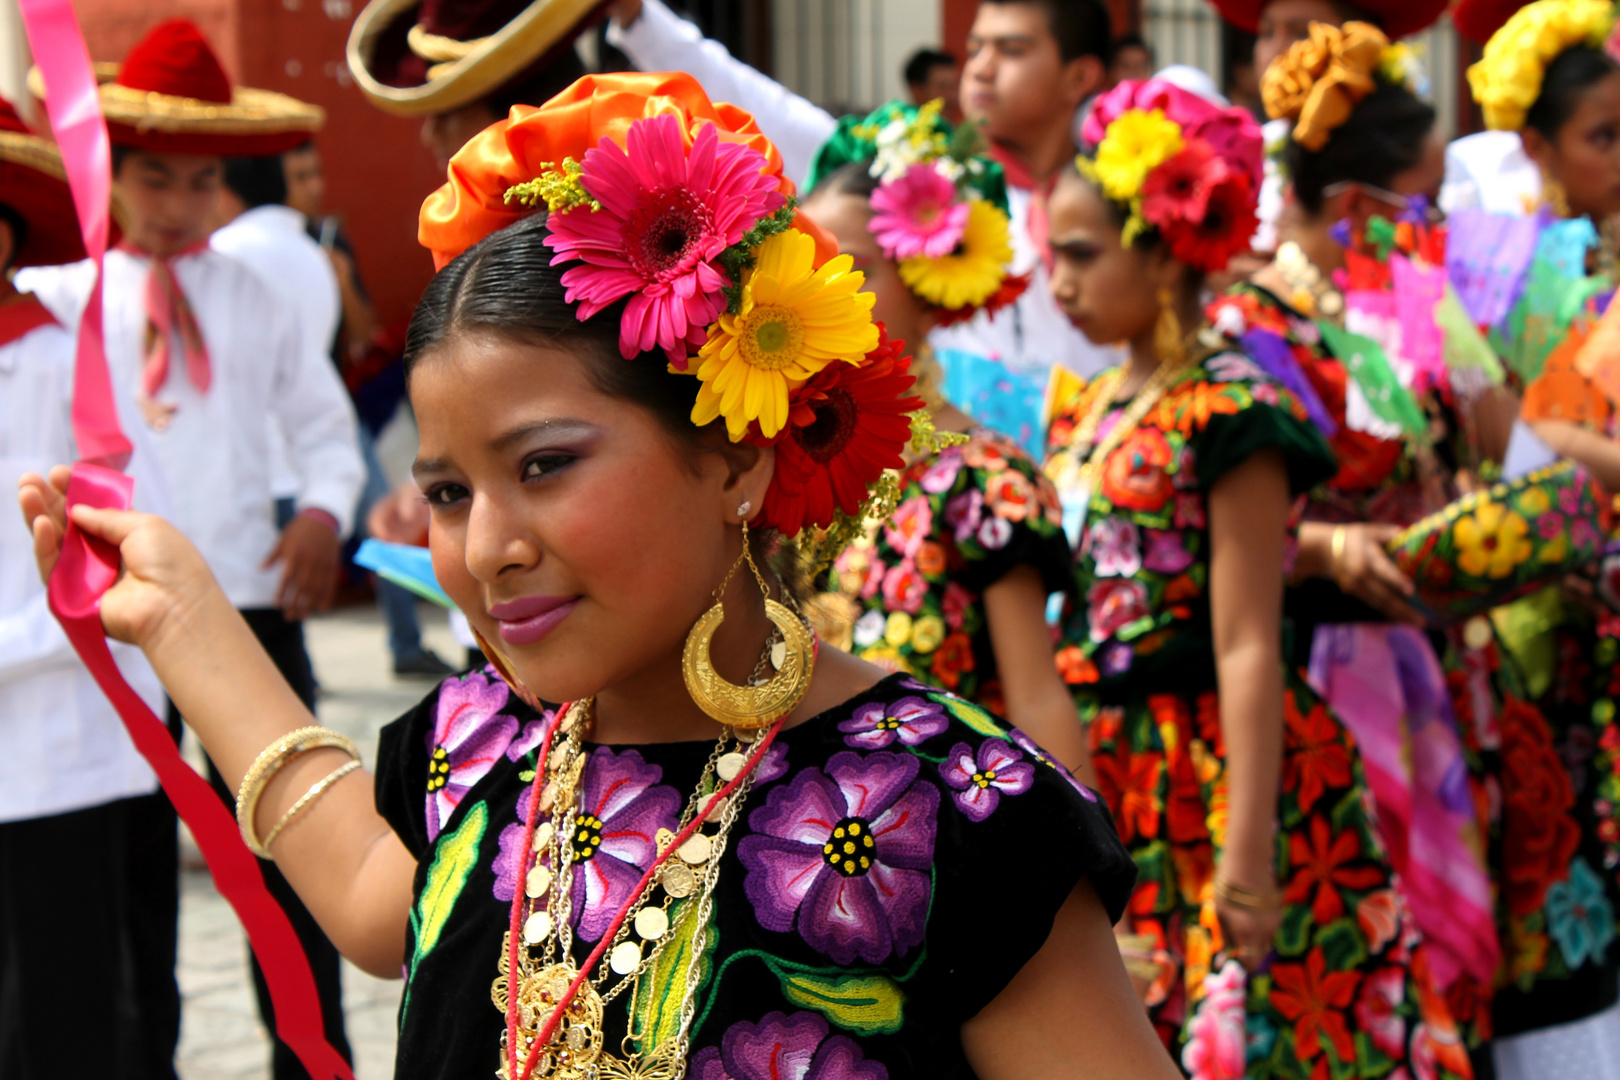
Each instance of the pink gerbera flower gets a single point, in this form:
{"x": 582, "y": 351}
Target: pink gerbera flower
{"x": 918, "y": 214}
{"x": 667, "y": 213}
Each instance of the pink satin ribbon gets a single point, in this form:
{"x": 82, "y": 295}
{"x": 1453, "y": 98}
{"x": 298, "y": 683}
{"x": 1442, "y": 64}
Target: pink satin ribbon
{"x": 168, "y": 313}
{"x": 88, "y": 566}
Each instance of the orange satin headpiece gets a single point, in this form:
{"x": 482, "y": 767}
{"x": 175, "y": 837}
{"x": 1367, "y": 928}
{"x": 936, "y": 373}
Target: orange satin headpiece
{"x": 472, "y": 203}
{"x": 1318, "y": 81}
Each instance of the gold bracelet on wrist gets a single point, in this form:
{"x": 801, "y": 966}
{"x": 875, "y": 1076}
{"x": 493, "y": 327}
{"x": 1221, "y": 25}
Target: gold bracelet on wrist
{"x": 1336, "y": 547}
{"x": 271, "y": 761}
{"x": 315, "y": 791}
{"x": 1247, "y": 899}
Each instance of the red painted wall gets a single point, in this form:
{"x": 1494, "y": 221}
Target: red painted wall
{"x": 377, "y": 172}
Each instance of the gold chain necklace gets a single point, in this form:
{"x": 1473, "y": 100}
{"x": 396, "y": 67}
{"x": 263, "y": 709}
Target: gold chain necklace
{"x": 1076, "y": 468}
{"x": 1310, "y": 292}
{"x": 686, "y": 877}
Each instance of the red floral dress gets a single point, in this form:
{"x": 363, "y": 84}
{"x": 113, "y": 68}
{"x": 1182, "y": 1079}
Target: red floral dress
{"x": 1345, "y": 990}
{"x": 913, "y": 588}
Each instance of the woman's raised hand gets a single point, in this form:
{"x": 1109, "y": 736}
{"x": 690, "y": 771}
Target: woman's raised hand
{"x": 1364, "y": 570}
{"x": 162, "y": 577}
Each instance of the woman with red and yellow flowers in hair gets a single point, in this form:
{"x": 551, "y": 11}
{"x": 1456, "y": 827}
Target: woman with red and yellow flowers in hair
{"x": 1265, "y": 901}
{"x": 952, "y": 589}
{"x": 735, "y": 854}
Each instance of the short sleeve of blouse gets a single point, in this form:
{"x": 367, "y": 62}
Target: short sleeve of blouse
{"x": 402, "y": 774}
{"x": 1022, "y": 519}
{"x": 1011, "y": 850}
{"x": 1245, "y": 417}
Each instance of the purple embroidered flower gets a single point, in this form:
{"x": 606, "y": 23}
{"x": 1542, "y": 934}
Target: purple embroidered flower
{"x": 511, "y": 844}
{"x": 773, "y": 766}
{"x": 845, "y": 853}
{"x": 995, "y": 533}
{"x": 979, "y": 780}
{"x": 1116, "y": 547}
{"x": 939, "y": 476}
{"x": 1166, "y": 554}
{"x": 622, "y": 808}
{"x": 964, "y": 512}
{"x": 470, "y": 733}
{"x": 1033, "y": 749}
{"x": 532, "y": 735}
{"x": 1116, "y": 658}
{"x": 876, "y": 724}
{"x": 784, "y": 1047}
{"x": 1189, "y": 511}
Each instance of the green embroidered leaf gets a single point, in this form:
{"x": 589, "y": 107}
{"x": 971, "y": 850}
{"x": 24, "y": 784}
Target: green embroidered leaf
{"x": 865, "y": 1004}
{"x": 973, "y": 716}
{"x": 658, "y": 994}
{"x": 453, "y": 864}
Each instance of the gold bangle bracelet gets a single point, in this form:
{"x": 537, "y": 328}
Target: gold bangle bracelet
{"x": 1336, "y": 546}
{"x": 269, "y": 762}
{"x": 1246, "y": 899}
{"x": 315, "y": 791}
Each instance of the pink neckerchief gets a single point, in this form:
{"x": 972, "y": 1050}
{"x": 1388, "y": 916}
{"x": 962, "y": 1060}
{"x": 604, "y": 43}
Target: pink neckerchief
{"x": 1019, "y": 176}
{"x": 167, "y": 312}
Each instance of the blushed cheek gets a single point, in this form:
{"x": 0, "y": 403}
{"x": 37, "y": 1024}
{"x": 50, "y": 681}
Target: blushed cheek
{"x": 449, "y": 550}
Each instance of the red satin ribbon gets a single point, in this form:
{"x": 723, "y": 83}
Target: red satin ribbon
{"x": 168, "y": 312}
{"x": 88, "y": 567}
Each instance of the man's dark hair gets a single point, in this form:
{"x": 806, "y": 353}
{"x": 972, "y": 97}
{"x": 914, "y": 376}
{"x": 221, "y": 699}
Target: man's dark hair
{"x": 922, "y": 64}
{"x": 1130, "y": 41}
{"x": 257, "y": 181}
{"x": 1081, "y": 27}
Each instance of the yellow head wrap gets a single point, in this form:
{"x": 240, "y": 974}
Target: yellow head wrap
{"x": 1507, "y": 79}
{"x": 1319, "y": 80}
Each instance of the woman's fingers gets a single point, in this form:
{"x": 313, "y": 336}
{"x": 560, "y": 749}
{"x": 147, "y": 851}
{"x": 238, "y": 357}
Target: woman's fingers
{"x": 113, "y": 526}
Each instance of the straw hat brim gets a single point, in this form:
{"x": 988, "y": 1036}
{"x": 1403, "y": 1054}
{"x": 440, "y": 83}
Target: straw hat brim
{"x": 34, "y": 184}
{"x": 254, "y": 122}
{"x": 485, "y": 69}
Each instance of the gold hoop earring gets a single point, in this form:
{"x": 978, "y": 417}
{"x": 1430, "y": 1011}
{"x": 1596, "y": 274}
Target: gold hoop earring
{"x": 1168, "y": 342}
{"x": 1553, "y": 195}
{"x": 749, "y": 707}
{"x": 503, "y": 667}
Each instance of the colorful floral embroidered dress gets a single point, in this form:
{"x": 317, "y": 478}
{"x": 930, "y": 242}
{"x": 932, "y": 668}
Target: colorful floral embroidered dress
{"x": 915, "y": 586}
{"x": 1344, "y": 993}
{"x": 973, "y": 838}
{"x": 1385, "y": 682}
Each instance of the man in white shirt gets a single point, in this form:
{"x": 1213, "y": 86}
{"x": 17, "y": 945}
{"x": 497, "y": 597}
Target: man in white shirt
{"x": 1030, "y": 63}
{"x": 74, "y": 792}
{"x": 204, "y": 357}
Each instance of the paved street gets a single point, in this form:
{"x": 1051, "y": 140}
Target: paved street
{"x": 221, "y": 1038}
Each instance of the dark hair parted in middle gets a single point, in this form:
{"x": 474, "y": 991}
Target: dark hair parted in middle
{"x": 1080, "y": 27}
{"x": 1567, "y": 77}
{"x": 505, "y": 285}
{"x": 1383, "y": 137}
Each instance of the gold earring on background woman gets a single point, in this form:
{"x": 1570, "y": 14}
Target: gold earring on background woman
{"x": 1168, "y": 341}
{"x": 765, "y": 699}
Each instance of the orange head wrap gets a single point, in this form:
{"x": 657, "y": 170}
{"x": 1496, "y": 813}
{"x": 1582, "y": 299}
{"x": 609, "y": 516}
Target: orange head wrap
{"x": 1318, "y": 81}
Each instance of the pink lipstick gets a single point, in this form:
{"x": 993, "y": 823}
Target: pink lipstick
{"x": 527, "y": 620}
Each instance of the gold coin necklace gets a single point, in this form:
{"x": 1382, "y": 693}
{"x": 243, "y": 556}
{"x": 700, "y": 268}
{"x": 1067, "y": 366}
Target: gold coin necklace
{"x": 555, "y": 1019}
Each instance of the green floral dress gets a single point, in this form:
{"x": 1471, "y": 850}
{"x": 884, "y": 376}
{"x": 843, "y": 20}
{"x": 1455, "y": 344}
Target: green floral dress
{"x": 912, "y": 589}
{"x": 1345, "y": 991}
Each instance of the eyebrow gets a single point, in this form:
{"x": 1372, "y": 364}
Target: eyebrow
{"x": 1002, "y": 39}
{"x": 562, "y": 428}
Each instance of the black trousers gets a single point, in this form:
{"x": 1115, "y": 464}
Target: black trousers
{"x": 88, "y": 908}
{"x": 284, "y": 641}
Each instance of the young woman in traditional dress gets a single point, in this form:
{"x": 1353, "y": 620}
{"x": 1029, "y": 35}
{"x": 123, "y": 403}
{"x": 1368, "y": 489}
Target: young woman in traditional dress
{"x": 1236, "y": 790}
{"x": 953, "y": 588}
{"x": 734, "y": 855}
{"x": 1362, "y": 145}
{"x": 1545, "y": 76}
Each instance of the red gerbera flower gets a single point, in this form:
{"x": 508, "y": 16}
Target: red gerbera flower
{"x": 1012, "y": 287}
{"x": 1178, "y": 190}
{"x": 846, "y": 425}
{"x": 1226, "y": 227}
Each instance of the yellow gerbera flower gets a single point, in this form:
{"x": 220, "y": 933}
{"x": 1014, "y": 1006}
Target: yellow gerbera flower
{"x": 794, "y": 320}
{"x": 1491, "y": 541}
{"x": 1137, "y": 142}
{"x": 972, "y": 273}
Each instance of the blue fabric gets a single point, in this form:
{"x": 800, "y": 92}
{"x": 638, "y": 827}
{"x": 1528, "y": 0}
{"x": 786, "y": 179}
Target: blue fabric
{"x": 1002, "y": 400}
